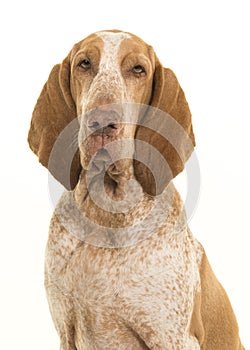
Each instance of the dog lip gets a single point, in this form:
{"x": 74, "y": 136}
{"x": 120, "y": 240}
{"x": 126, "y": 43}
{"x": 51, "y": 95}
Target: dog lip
{"x": 102, "y": 155}
{"x": 102, "y": 161}
{"x": 114, "y": 170}
{"x": 99, "y": 166}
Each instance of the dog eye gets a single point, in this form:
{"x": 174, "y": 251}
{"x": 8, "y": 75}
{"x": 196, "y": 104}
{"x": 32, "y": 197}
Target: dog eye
{"x": 138, "y": 70}
{"x": 85, "y": 64}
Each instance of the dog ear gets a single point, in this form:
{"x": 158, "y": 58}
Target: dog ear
{"x": 165, "y": 139}
{"x": 54, "y": 127}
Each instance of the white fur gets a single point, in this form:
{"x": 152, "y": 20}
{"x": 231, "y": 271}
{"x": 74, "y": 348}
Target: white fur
{"x": 112, "y": 42}
{"x": 118, "y": 293}
{"x": 109, "y": 77}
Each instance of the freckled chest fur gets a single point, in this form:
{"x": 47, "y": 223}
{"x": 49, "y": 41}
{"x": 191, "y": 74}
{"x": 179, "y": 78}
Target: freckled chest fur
{"x": 143, "y": 294}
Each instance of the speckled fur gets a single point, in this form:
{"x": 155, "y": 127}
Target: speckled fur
{"x": 121, "y": 279}
{"x": 135, "y": 297}
{"x": 109, "y": 77}
{"x": 122, "y": 269}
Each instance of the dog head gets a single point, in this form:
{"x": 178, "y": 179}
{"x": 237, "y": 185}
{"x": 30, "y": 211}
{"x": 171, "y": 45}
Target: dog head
{"x": 111, "y": 108}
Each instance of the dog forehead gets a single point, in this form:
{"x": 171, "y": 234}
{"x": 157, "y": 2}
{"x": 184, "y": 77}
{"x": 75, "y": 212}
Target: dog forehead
{"x": 117, "y": 39}
{"x": 108, "y": 41}
{"x": 111, "y": 41}
{"x": 111, "y": 45}
{"x": 112, "y": 38}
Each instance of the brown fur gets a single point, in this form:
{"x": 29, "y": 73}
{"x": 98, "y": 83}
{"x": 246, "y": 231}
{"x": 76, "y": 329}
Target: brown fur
{"x": 149, "y": 285}
{"x": 213, "y": 308}
{"x": 56, "y": 108}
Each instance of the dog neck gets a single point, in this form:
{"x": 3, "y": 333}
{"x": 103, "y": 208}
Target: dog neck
{"x": 112, "y": 201}
{"x": 128, "y": 223}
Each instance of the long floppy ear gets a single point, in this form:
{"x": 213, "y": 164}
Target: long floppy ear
{"x": 165, "y": 139}
{"x": 49, "y": 139}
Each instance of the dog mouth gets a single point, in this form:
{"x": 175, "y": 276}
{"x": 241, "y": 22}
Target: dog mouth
{"x": 103, "y": 164}
{"x": 107, "y": 149}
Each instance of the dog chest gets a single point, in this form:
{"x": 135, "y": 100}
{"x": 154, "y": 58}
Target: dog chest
{"x": 141, "y": 292}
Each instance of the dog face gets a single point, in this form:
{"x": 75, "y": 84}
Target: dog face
{"x": 110, "y": 68}
{"x": 111, "y": 78}
{"x": 124, "y": 99}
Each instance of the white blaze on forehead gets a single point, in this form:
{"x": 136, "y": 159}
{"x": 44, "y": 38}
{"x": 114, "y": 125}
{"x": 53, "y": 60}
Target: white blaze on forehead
{"x": 109, "y": 77}
{"x": 112, "y": 42}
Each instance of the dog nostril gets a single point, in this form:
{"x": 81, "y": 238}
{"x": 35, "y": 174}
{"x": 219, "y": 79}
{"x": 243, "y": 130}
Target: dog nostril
{"x": 112, "y": 126}
{"x": 100, "y": 120}
{"x": 95, "y": 126}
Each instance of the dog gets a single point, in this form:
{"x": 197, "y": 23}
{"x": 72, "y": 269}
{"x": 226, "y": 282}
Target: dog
{"x": 122, "y": 269}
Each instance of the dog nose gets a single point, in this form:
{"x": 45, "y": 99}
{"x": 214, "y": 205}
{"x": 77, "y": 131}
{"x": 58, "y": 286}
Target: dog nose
{"x": 95, "y": 126}
{"x": 103, "y": 121}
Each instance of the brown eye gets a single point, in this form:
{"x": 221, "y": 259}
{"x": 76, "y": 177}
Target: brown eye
{"x": 85, "y": 64}
{"x": 138, "y": 70}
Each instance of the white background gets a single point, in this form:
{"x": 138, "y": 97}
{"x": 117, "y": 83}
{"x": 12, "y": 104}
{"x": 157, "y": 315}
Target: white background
{"x": 206, "y": 43}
